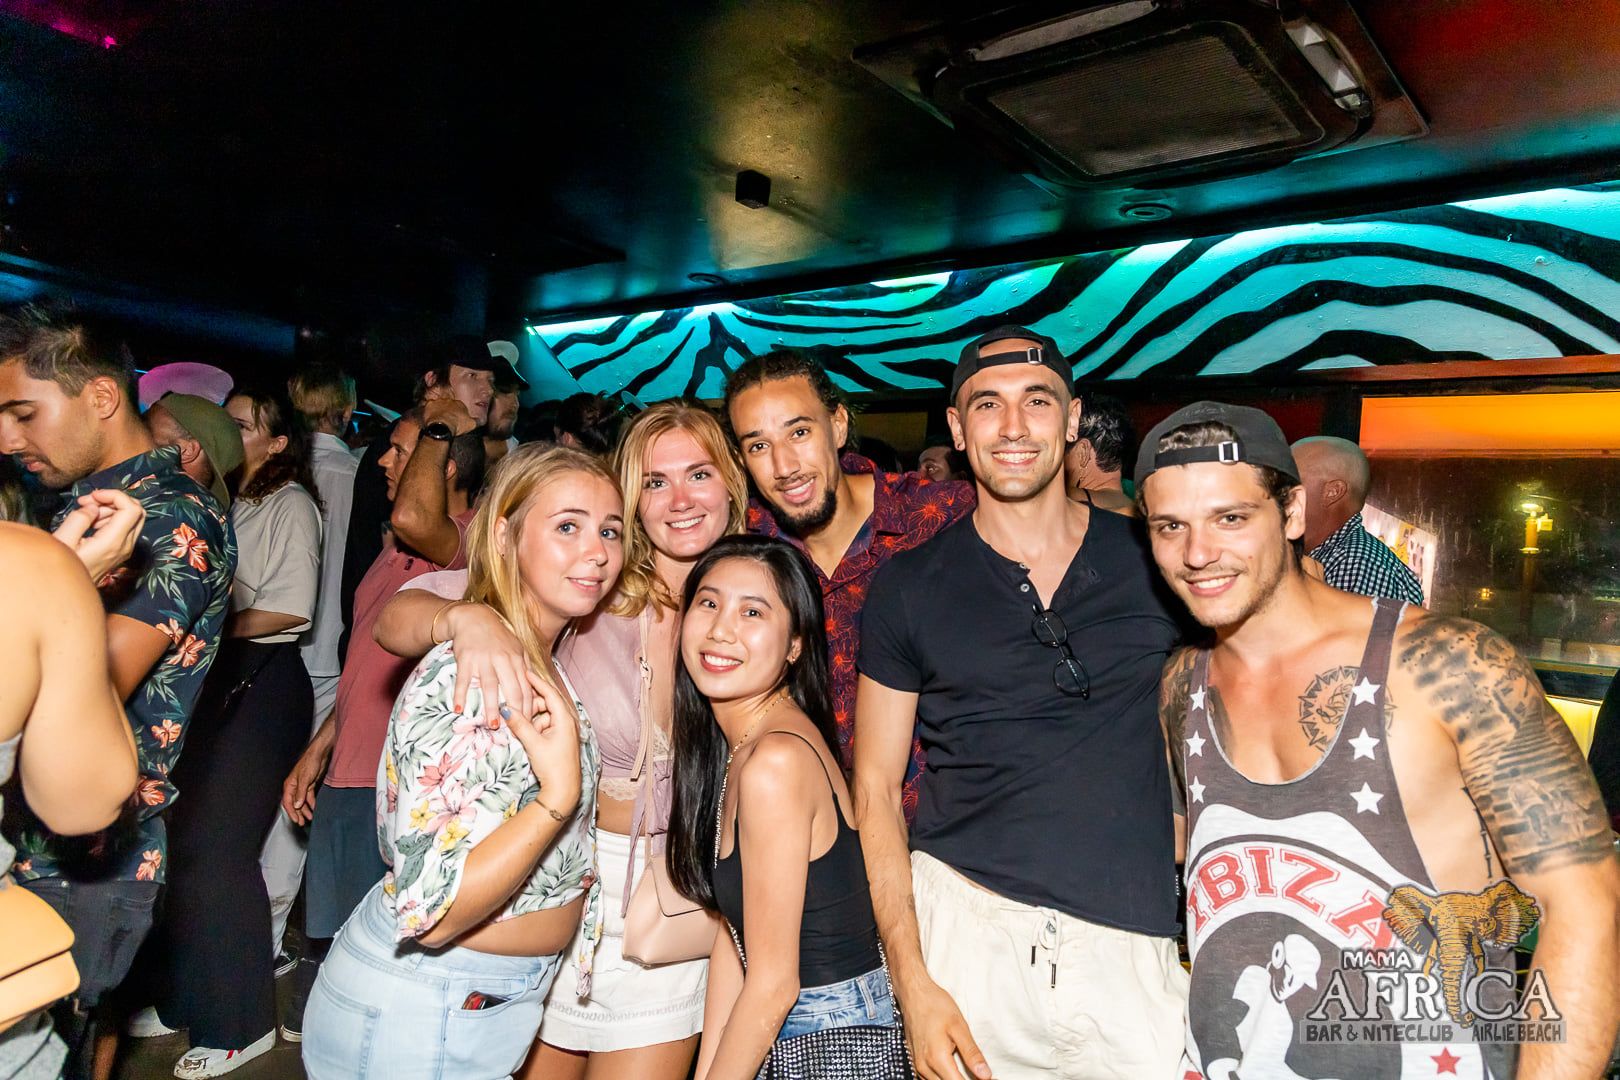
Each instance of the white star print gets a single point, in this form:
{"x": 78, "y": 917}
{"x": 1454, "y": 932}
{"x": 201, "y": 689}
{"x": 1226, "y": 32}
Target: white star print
{"x": 1195, "y": 746}
{"x": 1198, "y": 698}
{"x": 1364, "y": 744}
{"x": 1366, "y": 800}
{"x": 1197, "y": 789}
{"x": 1364, "y": 691}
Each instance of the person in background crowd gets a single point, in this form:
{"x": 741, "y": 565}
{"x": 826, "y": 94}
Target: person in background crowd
{"x": 790, "y": 423}
{"x": 207, "y": 964}
{"x": 343, "y": 861}
{"x": 209, "y": 441}
{"x": 942, "y": 462}
{"x": 1362, "y": 777}
{"x": 1093, "y": 466}
{"x": 461, "y": 368}
{"x": 206, "y": 381}
{"x": 325, "y": 398}
{"x": 588, "y": 422}
{"x": 1032, "y": 930}
{"x": 78, "y": 767}
{"x": 633, "y": 1021}
{"x": 499, "y": 437}
{"x": 885, "y": 457}
{"x": 1336, "y": 478}
{"x": 443, "y": 970}
{"x": 760, "y": 829}
{"x": 67, "y": 408}
{"x": 503, "y": 411}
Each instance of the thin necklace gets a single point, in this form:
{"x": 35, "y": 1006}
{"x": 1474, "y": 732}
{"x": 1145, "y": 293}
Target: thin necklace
{"x": 749, "y": 734}
{"x": 725, "y": 776}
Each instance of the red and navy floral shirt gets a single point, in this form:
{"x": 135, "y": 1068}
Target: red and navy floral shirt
{"x": 179, "y": 581}
{"x": 906, "y": 510}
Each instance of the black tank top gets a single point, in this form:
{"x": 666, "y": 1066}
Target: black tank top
{"x": 838, "y": 936}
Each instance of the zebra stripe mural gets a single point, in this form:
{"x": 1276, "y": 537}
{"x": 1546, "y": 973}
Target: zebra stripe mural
{"x": 1514, "y": 277}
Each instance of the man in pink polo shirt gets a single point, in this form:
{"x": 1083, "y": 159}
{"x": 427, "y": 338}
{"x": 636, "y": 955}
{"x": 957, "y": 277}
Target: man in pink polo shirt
{"x": 434, "y": 465}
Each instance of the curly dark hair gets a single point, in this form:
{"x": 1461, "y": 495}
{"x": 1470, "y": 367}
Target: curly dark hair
{"x": 274, "y": 412}
{"x": 1107, "y": 426}
{"x": 781, "y": 363}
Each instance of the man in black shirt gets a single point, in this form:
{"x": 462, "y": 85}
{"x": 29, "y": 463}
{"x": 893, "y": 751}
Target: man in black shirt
{"x": 1031, "y": 931}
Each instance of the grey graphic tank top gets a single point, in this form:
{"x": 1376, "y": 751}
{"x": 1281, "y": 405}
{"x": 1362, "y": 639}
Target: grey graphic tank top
{"x": 1286, "y": 890}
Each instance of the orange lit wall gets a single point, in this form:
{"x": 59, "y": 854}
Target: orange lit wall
{"x": 1568, "y": 424}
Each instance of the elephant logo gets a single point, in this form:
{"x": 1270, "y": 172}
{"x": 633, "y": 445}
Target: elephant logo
{"x": 1451, "y": 930}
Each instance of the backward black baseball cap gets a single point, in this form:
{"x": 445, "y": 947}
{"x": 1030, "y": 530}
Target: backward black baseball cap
{"x": 1045, "y": 354}
{"x": 1259, "y": 441}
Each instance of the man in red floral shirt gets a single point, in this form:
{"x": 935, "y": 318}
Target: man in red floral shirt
{"x": 790, "y": 424}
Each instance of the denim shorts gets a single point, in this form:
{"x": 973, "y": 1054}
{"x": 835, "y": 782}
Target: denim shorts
{"x": 400, "y": 1011}
{"x": 864, "y": 1001}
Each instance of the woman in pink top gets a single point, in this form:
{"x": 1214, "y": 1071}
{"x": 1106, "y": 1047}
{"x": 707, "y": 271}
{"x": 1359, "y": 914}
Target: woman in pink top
{"x": 629, "y": 1022}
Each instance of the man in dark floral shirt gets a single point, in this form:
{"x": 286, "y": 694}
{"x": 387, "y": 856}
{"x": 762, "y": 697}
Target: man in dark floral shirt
{"x": 67, "y": 410}
{"x": 790, "y": 424}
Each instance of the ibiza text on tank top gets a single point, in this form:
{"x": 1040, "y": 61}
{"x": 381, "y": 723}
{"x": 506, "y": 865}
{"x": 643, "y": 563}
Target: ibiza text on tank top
{"x": 1287, "y": 886}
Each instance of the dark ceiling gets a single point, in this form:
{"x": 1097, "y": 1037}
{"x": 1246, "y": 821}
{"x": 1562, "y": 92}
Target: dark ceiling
{"x": 332, "y": 163}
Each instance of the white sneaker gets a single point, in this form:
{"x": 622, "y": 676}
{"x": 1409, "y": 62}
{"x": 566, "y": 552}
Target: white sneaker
{"x": 204, "y": 1061}
{"x": 146, "y": 1025}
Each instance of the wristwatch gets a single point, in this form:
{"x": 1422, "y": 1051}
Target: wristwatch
{"x": 438, "y": 430}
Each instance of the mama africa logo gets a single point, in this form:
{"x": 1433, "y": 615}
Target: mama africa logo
{"x": 1442, "y": 987}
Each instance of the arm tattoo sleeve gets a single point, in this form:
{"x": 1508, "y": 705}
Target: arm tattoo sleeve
{"x": 1520, "y": 763}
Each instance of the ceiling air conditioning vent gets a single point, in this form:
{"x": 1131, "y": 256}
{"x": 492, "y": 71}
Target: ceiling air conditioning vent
{"x": 1155, "y": 90}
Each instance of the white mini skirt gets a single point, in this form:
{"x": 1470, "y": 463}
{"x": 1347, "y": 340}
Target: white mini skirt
{"x": 630, "y": 1005}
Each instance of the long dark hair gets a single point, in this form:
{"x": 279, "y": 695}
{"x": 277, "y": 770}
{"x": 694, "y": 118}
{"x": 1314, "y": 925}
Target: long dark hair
{"x": 699, "y": 744}
{"x": 275, "y": 413}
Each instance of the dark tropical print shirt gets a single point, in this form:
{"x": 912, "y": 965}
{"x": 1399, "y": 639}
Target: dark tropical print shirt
{"x": 906, "y": 510}
{"x": 179, "y": 581}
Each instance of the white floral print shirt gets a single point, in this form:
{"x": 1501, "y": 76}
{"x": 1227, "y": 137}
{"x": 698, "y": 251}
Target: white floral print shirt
{"x": 447, "y": 780}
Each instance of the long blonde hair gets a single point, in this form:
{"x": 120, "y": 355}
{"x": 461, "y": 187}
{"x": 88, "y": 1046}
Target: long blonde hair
{"x": 639, "y": 584}
{"x": 493, "y": 578}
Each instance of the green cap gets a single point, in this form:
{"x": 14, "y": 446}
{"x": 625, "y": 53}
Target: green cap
{"x": 214, "y": 431}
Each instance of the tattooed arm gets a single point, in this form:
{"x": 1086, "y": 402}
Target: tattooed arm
{"x": 1536, "y": 796}
{"x": 1174, "y": 689}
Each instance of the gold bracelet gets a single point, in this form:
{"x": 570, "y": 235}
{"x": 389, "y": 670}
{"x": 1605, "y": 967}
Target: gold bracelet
{"x": 433, "y": 627}
{"x": 558, "y": 818}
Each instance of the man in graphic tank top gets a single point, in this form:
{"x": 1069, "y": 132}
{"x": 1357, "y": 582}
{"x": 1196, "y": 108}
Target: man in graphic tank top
{"x": 1379, "y": 805}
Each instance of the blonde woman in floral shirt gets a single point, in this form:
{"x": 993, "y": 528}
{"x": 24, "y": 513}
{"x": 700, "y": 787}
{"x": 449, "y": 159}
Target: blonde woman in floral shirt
{"x": 629, "y": 1021}
{"x": 485, "y": 813}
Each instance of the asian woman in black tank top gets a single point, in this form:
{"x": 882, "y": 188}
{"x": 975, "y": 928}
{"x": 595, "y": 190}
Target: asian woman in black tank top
{"x": 760, "y": 830}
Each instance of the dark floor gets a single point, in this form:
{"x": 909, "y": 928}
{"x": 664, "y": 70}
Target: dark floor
{"x": 153, "y": 1059}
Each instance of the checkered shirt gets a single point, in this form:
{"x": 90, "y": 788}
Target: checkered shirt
{"x": 1358, "y": 562}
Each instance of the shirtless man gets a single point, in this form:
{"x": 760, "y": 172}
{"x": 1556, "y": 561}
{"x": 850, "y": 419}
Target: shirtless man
{"x": 1424, "y": 838}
